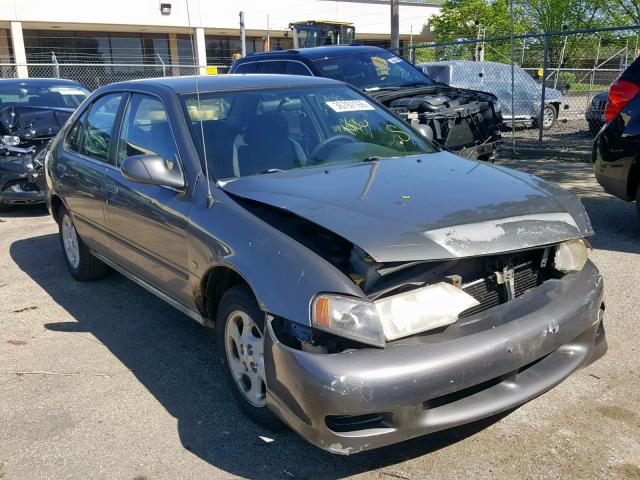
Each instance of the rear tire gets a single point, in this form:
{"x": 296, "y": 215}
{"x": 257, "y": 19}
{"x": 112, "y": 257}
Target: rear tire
{"x": 240, "y": 343}
{"x": 82, "y": 265}
{"x": 638, "y": 202}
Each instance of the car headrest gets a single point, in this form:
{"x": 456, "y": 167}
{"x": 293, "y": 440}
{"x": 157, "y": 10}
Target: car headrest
{"x": 267, "y": 128}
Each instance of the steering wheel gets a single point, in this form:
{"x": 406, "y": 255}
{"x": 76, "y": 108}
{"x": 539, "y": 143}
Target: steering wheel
{"x": 329, "y": 144}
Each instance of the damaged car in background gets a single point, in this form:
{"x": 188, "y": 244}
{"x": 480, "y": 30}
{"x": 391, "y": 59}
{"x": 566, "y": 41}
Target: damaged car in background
{"x": 366, "y": 286}
{"x": 458, "y": 119}
{"x": 32, "y": 111}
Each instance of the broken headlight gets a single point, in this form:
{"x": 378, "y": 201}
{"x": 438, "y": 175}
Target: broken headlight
{"x": 348, "y": 317}
{"x": 9, "y": 140}
{"x": 571, "y": 255}
{"x": 422, "y": 309}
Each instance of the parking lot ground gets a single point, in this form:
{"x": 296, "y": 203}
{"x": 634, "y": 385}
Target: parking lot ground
{"x": 102, "y": 380}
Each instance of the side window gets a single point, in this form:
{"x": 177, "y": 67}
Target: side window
{"x": 146, "y": 130}
{"x": 270, "y": 67}
{"x": 74, "y": 136}
{"x": 296, "y": 68}
{"x": 246, "y": 68}
{"x": 98, "y": 127}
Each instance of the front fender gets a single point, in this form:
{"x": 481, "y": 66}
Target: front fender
{"x": 283, "y": 274}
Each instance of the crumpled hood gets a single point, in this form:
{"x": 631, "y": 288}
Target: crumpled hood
{"x": 427, "y": 207}
{"x": 33, "y": 122}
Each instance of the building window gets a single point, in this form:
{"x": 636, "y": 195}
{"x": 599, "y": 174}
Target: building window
{"x": 96, "y": 47}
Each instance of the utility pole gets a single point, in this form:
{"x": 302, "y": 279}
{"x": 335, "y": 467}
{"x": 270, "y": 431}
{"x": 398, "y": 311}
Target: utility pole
{"x": 243, "y": 40}
{"x": 395, "y": 27}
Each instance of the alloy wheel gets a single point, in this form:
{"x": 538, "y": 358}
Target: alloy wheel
{"x": 244, "y": 346}
{"x": 70, "y": 242}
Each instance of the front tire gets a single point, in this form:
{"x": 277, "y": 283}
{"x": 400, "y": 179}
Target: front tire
{"x": 82, "y": 265}
{"x": 240, "y": 342}
{"x": 549, "y": 118}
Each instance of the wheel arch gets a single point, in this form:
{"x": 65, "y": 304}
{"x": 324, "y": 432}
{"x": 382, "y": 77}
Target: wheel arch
{"x": 214, "y": 284}
{"x": 633, "y": 182}
{"x": 56, "y": 206}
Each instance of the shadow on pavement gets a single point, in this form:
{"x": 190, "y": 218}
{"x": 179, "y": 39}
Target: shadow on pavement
{"x": 615, "y": 222}
{"x": 26, "y": 211}
{"x": 173, "y": 357}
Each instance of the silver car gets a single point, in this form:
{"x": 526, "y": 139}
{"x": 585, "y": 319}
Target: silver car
{"x": 366, "y": 286}
{"x": 495, "y": 78}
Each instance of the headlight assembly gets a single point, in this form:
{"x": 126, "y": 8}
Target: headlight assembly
{"x": 348, "y": 317}
{"x": 392, "y": 317}
{"x": 10, "y": 140}
{"x": 571, "y": 255}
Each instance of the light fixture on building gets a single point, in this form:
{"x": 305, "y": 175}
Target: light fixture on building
{"x": 165, "y": 8}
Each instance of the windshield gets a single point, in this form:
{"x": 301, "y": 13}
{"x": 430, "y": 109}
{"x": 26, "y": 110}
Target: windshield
{"x": 368, "y": 70}
{"x": 266, "y": 131}
{"x": 51, "y": 96}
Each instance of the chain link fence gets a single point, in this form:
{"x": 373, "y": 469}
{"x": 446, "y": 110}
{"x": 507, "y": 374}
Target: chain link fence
{"x": 95, "y": 75}
{"x": 560, "y": 82}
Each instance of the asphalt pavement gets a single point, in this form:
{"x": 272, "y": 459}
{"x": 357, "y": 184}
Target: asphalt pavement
{"x": 104, "y": 381}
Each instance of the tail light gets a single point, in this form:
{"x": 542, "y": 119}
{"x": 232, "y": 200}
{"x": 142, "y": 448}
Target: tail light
{"x": 620, "y": 93}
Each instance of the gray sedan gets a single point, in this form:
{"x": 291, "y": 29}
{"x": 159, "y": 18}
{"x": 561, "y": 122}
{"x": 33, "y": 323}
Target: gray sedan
{"x": 365, "y": 286}
{"x": 495, "y": 78}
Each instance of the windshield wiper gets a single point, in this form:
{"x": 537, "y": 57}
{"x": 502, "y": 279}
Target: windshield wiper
{"x": 372, "y": 158}
{"x": 271, "y": 170}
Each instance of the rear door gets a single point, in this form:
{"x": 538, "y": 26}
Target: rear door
{"x": 147, "y": 222}
{"x": 81, "y": 165}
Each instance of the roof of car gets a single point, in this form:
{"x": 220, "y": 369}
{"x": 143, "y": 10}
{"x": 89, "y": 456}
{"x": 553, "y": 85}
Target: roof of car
{"x": 35, "y": 82}
{"x": 229, "y": 82}
{"x": 318, "y": 52}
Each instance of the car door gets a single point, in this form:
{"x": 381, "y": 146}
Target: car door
{"x": 80, "y": 167}
{"x": 147, "y": 222}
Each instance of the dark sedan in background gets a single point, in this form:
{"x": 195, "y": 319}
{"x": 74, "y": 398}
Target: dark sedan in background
{"x": 616, "y": 150}
{"x": 595, "y": 112}
{"x": 366, "y": 286}
{"x": 32, "y": 111}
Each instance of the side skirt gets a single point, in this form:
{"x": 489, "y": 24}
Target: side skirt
{"x": 163, "y": 296}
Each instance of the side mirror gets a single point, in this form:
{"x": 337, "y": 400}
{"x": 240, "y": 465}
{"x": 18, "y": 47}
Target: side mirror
{"x": 152, "y": 170}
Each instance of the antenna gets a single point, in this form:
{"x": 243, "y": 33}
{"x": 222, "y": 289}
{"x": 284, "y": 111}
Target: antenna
{"x": 204, "y": 145}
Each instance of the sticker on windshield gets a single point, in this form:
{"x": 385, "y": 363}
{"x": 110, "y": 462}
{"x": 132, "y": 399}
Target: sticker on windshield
{"x": 394, "y": 59}
{"x": 349, "y": 105}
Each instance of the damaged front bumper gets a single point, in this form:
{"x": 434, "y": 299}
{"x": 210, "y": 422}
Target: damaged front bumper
{"x": 480, "y": 366}
{"x": 21, "y": 178}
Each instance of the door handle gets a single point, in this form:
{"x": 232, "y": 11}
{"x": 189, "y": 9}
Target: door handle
{"x": 109, "y": 187}
{"x": 61, "y": 169}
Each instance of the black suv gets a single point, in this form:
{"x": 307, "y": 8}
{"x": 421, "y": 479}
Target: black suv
{"x": 464, "y": 121}
{"x": 616, "y": 151}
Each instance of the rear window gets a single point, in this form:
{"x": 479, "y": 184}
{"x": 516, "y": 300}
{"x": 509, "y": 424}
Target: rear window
{"x": 246, "y": 68}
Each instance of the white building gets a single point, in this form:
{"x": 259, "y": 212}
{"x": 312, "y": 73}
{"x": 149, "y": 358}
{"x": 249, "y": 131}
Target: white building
{"x": 172, "y": 32}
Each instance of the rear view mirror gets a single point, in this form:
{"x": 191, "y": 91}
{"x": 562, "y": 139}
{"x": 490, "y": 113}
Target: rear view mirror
{"x": 152, "y": 170}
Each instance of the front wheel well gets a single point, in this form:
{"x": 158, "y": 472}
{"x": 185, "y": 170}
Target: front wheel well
{"x": 214, "y": 284}
{"x": 634, "y": 179}
{"x": 56, "y": 206}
